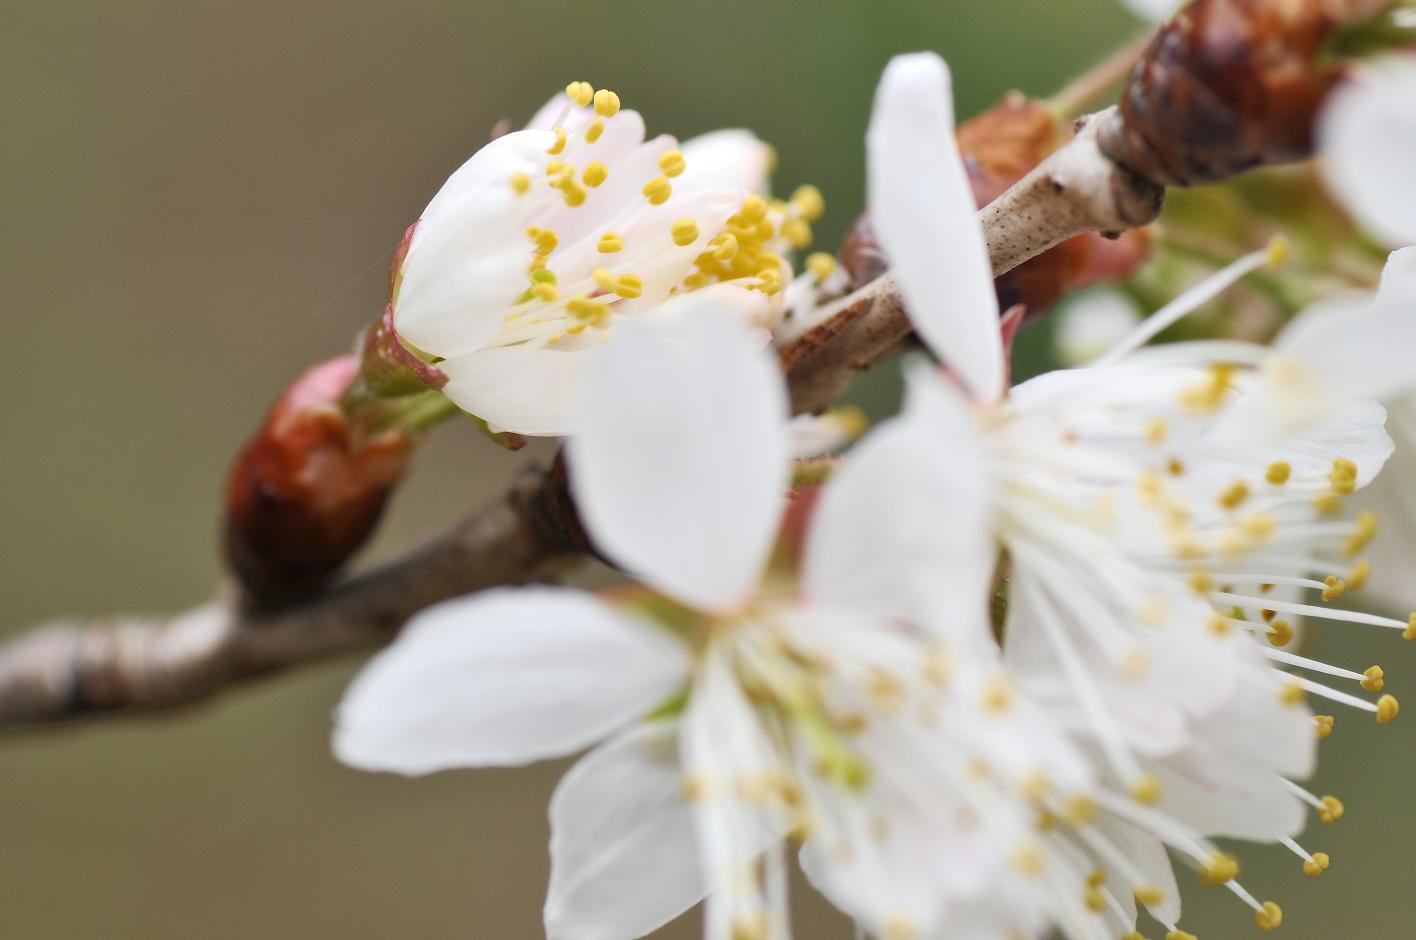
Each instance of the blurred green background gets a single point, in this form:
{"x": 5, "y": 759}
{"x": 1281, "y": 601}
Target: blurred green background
{"x": 198, "y": 201}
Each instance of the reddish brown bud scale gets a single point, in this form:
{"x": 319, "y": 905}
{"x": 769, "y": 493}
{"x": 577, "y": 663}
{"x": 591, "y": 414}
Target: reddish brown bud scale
{"x": 999, "y": 147}
{"x": 305, "y": 493}
{"x": 1225, "y": 86}
{"x": 400, "y": 255}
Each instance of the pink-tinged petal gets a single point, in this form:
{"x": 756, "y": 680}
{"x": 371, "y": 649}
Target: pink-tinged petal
{"x": 924, "y": 215}
{"x": 502, "y": 678}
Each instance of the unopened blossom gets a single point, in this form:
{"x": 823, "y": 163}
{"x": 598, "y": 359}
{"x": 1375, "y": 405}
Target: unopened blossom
{"x": 1150, "y": 557}
{"x": 857, "y": 705}
{"x": 1367, "y": 141}
{"x": 548, "y": 237}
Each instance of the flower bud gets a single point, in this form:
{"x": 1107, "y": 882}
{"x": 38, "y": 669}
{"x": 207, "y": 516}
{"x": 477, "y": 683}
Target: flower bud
{"x": 1226, "y": 86}
{"x": 307, "y": 490}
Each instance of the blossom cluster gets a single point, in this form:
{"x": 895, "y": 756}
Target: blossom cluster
{"x": 990, "y": 671}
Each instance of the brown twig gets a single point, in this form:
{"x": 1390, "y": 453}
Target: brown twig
{"x": 94, "y": 665}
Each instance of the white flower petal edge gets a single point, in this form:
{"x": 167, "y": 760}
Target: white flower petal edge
{"x": 706, "y": 403}
{"x": 727, "y": 159}
{"x": 503, "y": 678}
{"x": 624, "y": 850}
{"x": 923, "y": 209}
{"x": 1367, "y": 134}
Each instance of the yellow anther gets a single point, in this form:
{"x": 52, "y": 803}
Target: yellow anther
{"x": 1221, "y": 868}
{"x": 1156, "y": 431}
{"x": 580, "y": 92}
{"x": 695, "y": 280}
{"x": 1154, "y": 610}
{"x": 821, "y": 265}
{"x": 593, "y": 132}
{"x": 628, "y": 286}
{"x": 1149, "y": 896}
{"x": 1357, "y": 577}
{"x": 573, "y": 193}
{"x": 610, "y": 242}
{"x": 1259, "y": 526}
{"x": 559, "y": 145}
{"x": 724, "y": 247}
{"x": 1269, "y": 917}
{"x": 1219, "y": 625}
{"x": 1332, "y": 810}
{"x": 671, "y": 162}
{"x": 1046, "y": 822}
{"x": 1201, "y": 582}
{"x": 1328, "y": 503}
{"x": 594, "y": 312}
{"x": 1410, "y": 632}
{"x": 1276, "y": 252}
{"x": 752, "y": 926}
{"x": 1315, "y": 866}
{"x": 1180, "y": 935}
{"x": 1235, "y": 495}
{"x": 684, "y": 232}
{"x": 754, "y": 209}
{"x": 1293, "y": 695}
{"x": 1094, "y": 900}
{"x": 1280, "y": 633}
{"x": 1036, "y": 785}
{"x": 1366, "y": 530}
{"x": 1079, "y": 810}
{"x": 797, "y": 232}
{"x": 545, "y": 291}
{"x": 1268, "y": 615}
{"x": 899, "y": 927}
{"x": 1135, "y": 663}
{"x": 808, "y": 202}
{"x": 1147, "y": 790}
{"x": 1278, "y": 472}
{"x": 520, "y": 183}
{"x": 595, "y": 174}
{"x": 1324, "y": 725}
{"x": 607, "y": 103}
{"x": 1175, "y": 467}
{"x": 1334, "y": 586}
{"x": 1373, "y": 679}
{"x": 544, "y": 239}
{"x": 603, "y": 279}
{"x": 1343, "y": 476}
{"x": 997, "y": 695}
{"x": 1028, "y": 859}
{"x": 693, "y": 788}
{"x": 1387, "y": 709}
{"x": 658, "y": 190}
{"x": 538, "y": 263}
{"x": 1133, "y": 935}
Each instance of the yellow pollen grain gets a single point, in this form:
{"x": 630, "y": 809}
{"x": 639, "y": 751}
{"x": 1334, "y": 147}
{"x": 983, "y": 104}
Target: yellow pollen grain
{"x": 1219, "y": 625}
{"x": 1278, "y": 472}
{"x": 1133, "y": 935}
{"x": 1333, "y": 587}
{"x": 573, "y": 193}
{"x": 658, "y": 191}
{"x": 821, "y": 265}
{"x": 997, "y": 695}
{"x": 1147, "y": 790}
{"x": 1315, "y": 866}
{"x": 1358, "y": 575}
{"x": 1079, "y": 810}
{"x": 1387, "y": 709}
{"x": 610, "y": 242}
{"x": 797, "y": 232}
{"x": 1149, "y": 896}
{"x": 1259, "y": 526}
{"x": 1180, "y": 935}
{"x": 1156, "y": 431}
{"x": 1332, "y": 810}
{"x": 1135, "y": 663}
{"x": 1028, "y": 860}
{"x": 1221, "y": 868}
{"x": 603, "y": 279}
{"x": 559, "y": 144}
{"x": 1201, "y": 582}
{"x": 684, "y": 232}
{"x": 1234, "y": 496}
{"x": 1280, "y": 633}
{"x": 628, "y": 286}
{"x": 899, "y": 927}
{"x": 1269, "y": 917}
{"x": 593, "y": 132}
{"x": 808, "y": 202}
{"x": 1410, "y": 632}
{"x": 672, "y": 163}
{"x": 1292, "y": 695}
{"x": 1094, "y": 900}
{"x": 544, "y": 239}
{"x": 1373, "y": 679}
{"x": 1324, "y": 725}
{"x": 545, "y": 291}
{"x": 754, "y": 209}
{"x": 724, "y": 247}
{"x": 1036, "y": 785}
{"x": 1175, "y": 467}
{"x": 1366, "y": 530}
{"x": 595, "y": 174}
{"x": 1328, "y": 503}
{"x": 580, "y": 92}
{"x": 607, "y": 103}
{"x": 520, "y": 183}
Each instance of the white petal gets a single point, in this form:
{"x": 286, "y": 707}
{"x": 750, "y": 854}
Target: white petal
{"x": 1225, "y": 797}
{"x": 680, "y": 460}
{"x": 1367, "y": 133}
{"x": 1155, "y": 11}
{"x": 1148, "y": 855}
{"x": 725, "y": 159}
{"x": 924, "y": 215}
{"x": 525, "y": 389}
{"x": 902, "y": 530}
{"x": 502, "y": 678}
{"x": 624, "y": 851}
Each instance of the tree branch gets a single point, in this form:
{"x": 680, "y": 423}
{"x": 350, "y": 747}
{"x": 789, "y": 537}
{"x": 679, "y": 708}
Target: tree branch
{"x": 85, "y": 666}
